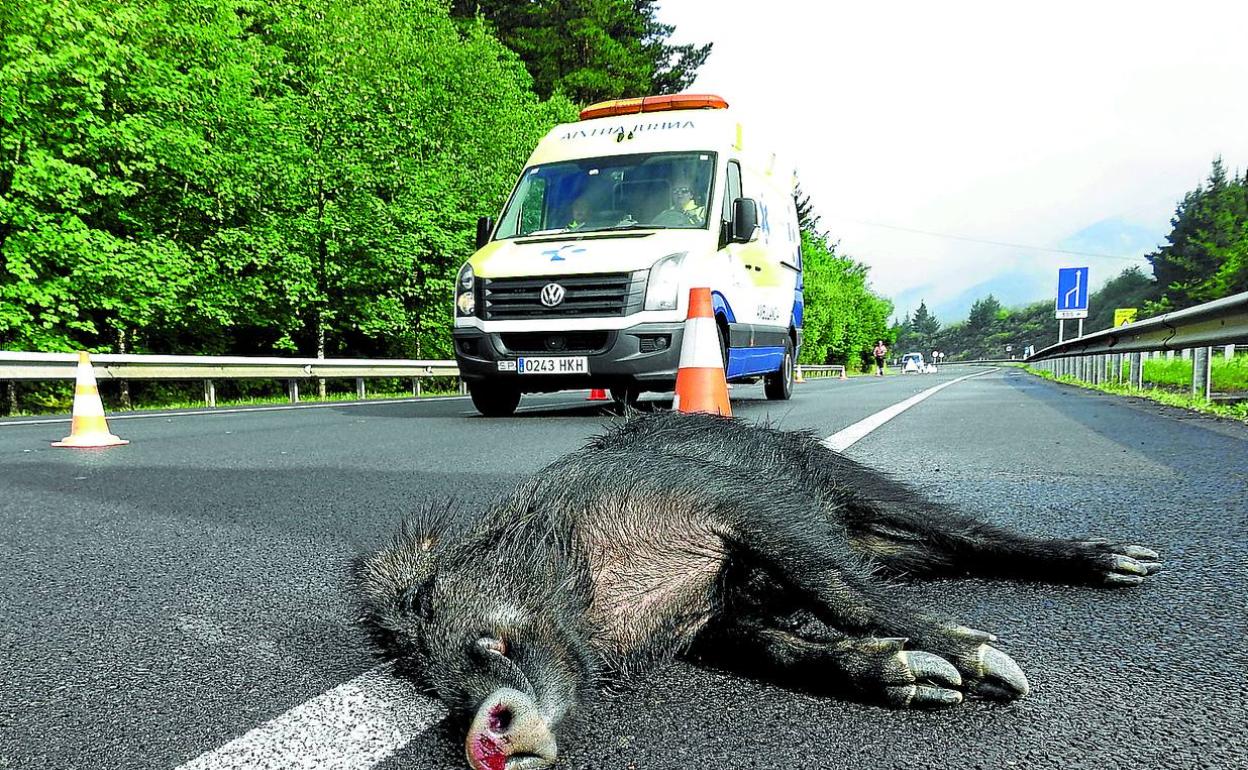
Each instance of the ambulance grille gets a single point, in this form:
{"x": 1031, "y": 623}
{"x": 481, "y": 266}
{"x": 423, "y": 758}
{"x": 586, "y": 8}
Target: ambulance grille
{"x": 584, "y": 296}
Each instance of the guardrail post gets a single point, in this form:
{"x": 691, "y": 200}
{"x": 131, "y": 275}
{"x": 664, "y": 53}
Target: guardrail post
{"x": 292, "y": 386}
{"x": 210, "y": 393}
{"x": 1136, "y": 371}
{"x": 463, "y": 387}
{"x": 416, "y": 387}
{"x": 1201, "y": 361}
{"x": 1099, "y": 377}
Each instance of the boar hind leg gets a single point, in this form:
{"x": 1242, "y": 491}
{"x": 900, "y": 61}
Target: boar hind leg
{"x": 802, "y": 553}
{"x": 935, "y": 541}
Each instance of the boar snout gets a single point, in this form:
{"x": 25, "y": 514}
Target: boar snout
{"x": 509, "y": 733}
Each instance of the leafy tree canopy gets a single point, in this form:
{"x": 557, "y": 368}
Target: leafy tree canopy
{"x": 591, "y": 50}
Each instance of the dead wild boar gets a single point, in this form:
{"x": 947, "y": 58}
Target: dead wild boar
{"x": 689, "y": 534}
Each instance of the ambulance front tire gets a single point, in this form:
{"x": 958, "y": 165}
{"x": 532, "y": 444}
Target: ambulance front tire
{"x": 779, "y": 385}
{"x": 494, "y": 399}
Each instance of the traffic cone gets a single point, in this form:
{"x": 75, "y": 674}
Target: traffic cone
{"x": 843, "y": 377}
{"x": 598, "y": 394}
{"x": 701, "y": 385}
{"x": 89, "y": 428}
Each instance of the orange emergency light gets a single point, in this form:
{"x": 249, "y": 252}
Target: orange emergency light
{"x": 653, "y": 104}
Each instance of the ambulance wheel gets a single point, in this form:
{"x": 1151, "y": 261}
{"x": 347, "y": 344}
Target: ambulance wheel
{"x": 779, "y": 385}
{"x": 494, "y": 399}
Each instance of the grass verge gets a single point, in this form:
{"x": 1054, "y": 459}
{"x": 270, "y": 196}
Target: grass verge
{"x": 1187, "y": 401}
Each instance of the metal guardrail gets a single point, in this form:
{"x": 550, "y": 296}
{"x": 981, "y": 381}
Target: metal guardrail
{"x": 63, "y": 366}
{"x": 821, "y": 370}
{"x": 1098, "y": 357}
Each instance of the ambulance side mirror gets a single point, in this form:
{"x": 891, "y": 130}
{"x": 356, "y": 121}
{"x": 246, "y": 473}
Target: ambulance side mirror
{"x": 485, "y": 226}
{"x": 744, "y": 220}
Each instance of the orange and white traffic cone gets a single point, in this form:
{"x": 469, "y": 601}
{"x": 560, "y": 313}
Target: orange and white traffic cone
{"x": 701, "y": 385}
{"x": 598, "y": 394}
{"x": 89, "y": 428}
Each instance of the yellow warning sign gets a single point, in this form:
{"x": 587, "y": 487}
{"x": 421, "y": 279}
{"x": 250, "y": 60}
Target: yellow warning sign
{"x": 1124, "y": 315}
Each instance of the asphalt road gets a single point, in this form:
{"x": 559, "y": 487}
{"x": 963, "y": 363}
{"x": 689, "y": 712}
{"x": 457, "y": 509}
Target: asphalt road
{"x": 161, "y": 599}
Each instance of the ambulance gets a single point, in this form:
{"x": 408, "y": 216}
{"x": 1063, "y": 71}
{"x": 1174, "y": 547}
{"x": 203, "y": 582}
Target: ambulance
{"x": 583, "y": 280}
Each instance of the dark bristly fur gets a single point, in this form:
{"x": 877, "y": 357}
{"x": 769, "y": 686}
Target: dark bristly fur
{"x": 676, "y": 533}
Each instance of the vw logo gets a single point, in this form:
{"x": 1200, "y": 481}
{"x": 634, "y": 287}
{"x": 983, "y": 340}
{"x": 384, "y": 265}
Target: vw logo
{"x": 552, "y": 294}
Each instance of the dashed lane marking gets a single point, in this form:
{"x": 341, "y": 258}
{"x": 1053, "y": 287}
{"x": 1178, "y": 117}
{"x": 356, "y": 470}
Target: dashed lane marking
{"x": 843, "y": 439}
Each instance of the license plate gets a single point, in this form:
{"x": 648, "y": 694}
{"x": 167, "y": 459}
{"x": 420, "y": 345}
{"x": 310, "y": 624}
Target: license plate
{"x": 553, "y": 365}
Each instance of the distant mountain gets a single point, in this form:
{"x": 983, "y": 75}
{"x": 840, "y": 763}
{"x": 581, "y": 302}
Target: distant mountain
{"x": 1037, "y": 279}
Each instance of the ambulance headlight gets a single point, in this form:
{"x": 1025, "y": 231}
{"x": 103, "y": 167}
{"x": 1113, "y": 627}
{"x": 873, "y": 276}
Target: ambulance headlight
{"x": 465, "y": 299}
{"x": 664, "y": 283}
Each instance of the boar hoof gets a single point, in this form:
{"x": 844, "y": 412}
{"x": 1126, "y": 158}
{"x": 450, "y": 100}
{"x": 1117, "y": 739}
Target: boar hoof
{"x": 1121, "y": 564}
{"x": 929, "y": 681}
{"x": 996, "y": 675}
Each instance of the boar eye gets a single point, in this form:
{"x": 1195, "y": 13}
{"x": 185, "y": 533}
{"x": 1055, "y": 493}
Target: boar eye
{"x": 492, "y": 646}
{"x": 416, "y": 600}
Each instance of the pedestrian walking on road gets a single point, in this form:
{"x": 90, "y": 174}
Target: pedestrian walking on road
{"x": 880, "y": 351}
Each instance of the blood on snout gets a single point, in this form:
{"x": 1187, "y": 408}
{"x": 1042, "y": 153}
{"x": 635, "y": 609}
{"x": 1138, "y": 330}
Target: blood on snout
{"x": 487, "y": 753}
{"x": 487, "y": 747}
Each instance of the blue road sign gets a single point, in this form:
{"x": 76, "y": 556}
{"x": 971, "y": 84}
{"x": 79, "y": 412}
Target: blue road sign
{"x": 1072, "y": 292}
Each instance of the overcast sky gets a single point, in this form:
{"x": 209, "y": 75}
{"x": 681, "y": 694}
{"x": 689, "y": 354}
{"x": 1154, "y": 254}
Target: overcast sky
{"x": 1062, "y": 125}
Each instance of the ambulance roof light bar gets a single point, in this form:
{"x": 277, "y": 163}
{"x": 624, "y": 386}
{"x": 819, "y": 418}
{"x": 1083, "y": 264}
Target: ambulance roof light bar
{"x": 653, "y": 104}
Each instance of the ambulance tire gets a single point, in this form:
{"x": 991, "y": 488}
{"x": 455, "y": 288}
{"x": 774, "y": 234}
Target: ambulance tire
{"x": 494, "y": 399}
{"x": 779, "y": 385}
{"x": 722, "y": 328}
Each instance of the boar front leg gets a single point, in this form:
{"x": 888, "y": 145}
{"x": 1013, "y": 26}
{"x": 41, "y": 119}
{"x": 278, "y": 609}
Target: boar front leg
{"x": 872, "y": 668}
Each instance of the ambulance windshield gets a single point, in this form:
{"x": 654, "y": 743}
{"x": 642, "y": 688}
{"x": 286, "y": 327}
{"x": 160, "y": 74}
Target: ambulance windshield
{"x": 653, "y": 191}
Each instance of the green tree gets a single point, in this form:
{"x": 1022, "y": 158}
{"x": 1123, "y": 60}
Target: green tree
{"x": 238, "y": 176}
{"x": 1206, "y": 255}
{"x": 591, "y": 50}
{"x": 1130, "y": 288}
{"x": 843, "y": 317}
{"x": 94, "y": 144}
{"x": 922, "y": 329}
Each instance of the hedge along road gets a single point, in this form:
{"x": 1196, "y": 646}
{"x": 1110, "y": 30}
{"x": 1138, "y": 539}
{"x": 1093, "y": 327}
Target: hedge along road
{"x": 165, "y": 598}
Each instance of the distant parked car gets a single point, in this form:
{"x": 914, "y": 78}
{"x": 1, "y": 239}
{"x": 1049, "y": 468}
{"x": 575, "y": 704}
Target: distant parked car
{"x": 912, "y": 363}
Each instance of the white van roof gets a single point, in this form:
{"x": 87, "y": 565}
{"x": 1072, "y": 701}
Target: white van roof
{"x": 622, "y": 127}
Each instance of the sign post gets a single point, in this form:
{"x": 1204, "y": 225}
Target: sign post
{"x": 1072, "y": 298}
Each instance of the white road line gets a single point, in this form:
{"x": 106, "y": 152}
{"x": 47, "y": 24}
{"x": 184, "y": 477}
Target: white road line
{"x": 843, "y": 439}
{"x": 362, "y": 722}
{"x": 352, "y": 727}
{"x": 240, "y": 410}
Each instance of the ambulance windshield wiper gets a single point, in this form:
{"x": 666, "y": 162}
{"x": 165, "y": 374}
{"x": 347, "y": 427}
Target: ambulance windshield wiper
{"x": 630, "y": 226}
